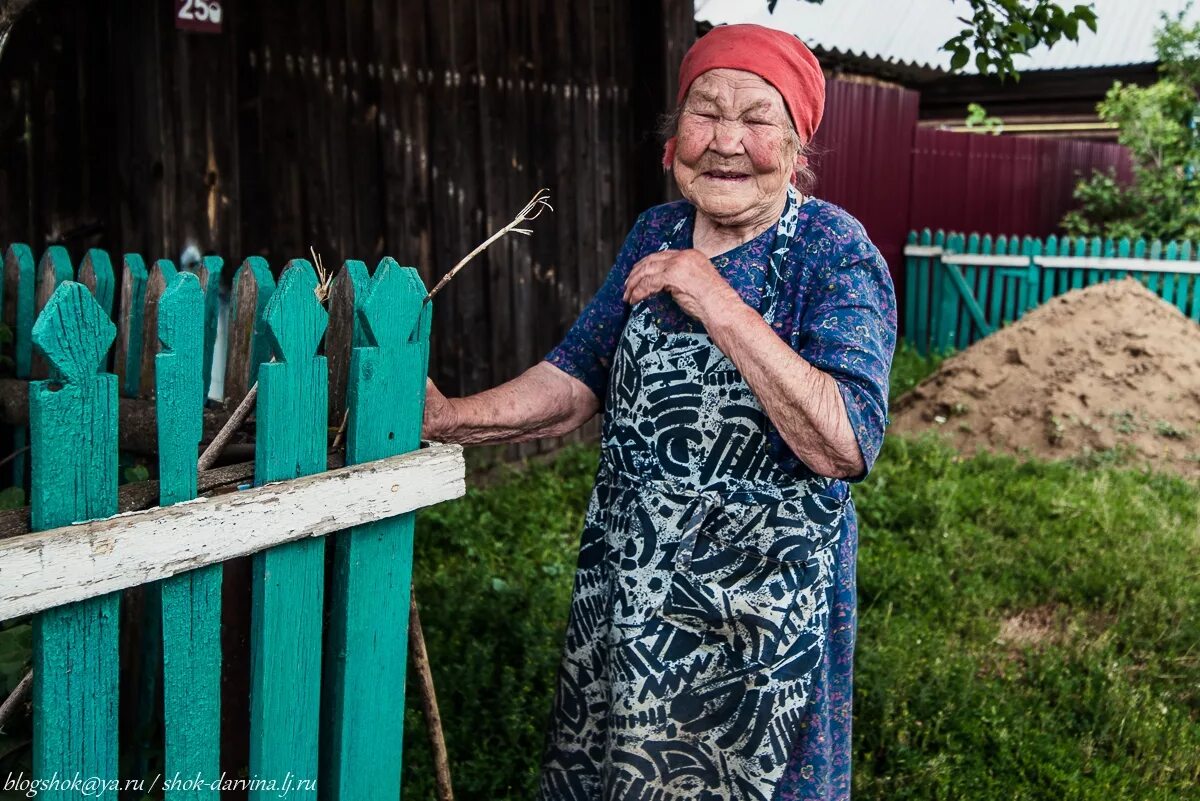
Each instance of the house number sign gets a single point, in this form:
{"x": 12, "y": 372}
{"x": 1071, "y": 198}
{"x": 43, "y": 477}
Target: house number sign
{"x": 198, "y": 15}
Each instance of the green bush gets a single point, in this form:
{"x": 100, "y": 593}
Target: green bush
{"x": 1159, "y": 124}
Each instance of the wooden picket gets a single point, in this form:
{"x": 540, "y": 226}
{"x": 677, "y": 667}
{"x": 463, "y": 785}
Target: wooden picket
{"x": 289, "y": 580}
{"x": 372, "y": 576}
{"x": 73, "y": 429}
{"x": 960, "y": 288}
{"x": 191, "y": 602}
{"x": 339, "y": 686}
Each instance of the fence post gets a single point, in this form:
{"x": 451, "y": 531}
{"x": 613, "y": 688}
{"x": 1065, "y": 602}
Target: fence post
{"x": 364, "y": 698}
{"x": 73, "y": 423}
{"x": 191, "y": 602}
{"x": 288, "y": 580}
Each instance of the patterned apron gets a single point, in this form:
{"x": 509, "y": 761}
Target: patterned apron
{"x": 700, "y": 609}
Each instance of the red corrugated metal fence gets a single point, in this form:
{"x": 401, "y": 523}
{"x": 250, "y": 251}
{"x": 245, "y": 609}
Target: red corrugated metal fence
{"x": 874, "y": 161}
{"x": 1002, "y": 184}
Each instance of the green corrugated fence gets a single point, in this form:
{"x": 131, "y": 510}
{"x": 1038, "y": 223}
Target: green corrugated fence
{"x": 960, "y": 288}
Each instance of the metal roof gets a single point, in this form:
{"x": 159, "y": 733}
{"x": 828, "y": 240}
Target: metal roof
{"x": 911, "y": 32}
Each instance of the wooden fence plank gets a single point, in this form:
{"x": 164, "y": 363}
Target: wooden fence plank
{"x": 288, "y": 581}
{"x": 96, "y": 273}
{"x": 345, "y": 297}
{"x": 76, "y": 562}
{"x": 1184, "y": 280}
{"x": 19, "y": 281}
{"x": 128, "y": 359}
{"x": 156, "y": 284}
{"x": 191, "y": 602}
{"x": 367, "y": 645}
{"x": 54, "y": 268}
{"x": 74, "y": 435}
{"x": 253, "y": 285}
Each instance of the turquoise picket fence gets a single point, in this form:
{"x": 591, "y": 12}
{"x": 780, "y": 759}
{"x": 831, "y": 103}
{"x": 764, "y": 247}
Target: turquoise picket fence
{"x": 960, "y": 288}
{"x": 327, "y": 677}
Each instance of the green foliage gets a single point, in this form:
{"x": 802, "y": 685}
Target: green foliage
{"x": 16, "y": 654}
{"x": 12, "y": 498}
{"x": 1158, "y": 123}
{"x": 1106, "y": 704}
{"x": 977, "y": 117}
{"x": 999, "y": 29}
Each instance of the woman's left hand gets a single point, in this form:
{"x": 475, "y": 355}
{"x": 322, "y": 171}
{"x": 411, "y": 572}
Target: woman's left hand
{"x": 687, "y": 275}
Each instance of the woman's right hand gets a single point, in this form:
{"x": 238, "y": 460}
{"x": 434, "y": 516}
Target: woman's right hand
{"x": 439, "y": 419}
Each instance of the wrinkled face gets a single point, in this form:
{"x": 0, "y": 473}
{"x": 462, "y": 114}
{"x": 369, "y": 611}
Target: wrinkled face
{"x": 735, "y": 150}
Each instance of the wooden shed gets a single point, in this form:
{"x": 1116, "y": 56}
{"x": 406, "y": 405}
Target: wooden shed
{"x": 360, "y": 128}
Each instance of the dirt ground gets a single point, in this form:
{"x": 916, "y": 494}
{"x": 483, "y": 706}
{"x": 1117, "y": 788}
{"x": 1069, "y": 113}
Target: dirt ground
{"x": 1107, "y": 367}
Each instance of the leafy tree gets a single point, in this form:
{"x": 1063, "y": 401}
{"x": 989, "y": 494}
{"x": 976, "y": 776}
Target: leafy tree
{"x": 1159, "y": 125}
{"x": 999, "y": 29}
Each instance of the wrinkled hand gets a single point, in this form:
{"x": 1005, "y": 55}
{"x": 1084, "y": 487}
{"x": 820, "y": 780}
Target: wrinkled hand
{"x": 439, "y": 414}
{"x": 689, "y": 277}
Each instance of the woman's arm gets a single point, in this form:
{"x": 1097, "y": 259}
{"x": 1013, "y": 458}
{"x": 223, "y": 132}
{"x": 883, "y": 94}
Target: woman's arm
{"x": 803, "y": 402}
{"x": 541, "y": 402}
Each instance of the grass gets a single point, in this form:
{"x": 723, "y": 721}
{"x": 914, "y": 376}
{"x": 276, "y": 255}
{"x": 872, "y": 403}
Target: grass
{"x": 909, "y": 368}
{"x": 1026, "y": 631}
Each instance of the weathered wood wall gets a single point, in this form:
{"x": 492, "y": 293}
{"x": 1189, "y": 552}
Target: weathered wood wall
{"x": 362, "y": 128}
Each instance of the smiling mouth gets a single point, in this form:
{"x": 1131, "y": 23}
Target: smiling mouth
{"x": 726, "y": 175}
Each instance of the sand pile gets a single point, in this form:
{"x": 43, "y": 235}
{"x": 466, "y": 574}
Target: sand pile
{"x": 1110, "y": 366}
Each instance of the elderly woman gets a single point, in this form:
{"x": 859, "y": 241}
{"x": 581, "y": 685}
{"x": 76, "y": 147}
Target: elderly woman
{"x": 739, "y": 351}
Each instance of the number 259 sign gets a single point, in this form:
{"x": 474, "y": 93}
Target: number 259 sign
{"x": 198, "y": 15}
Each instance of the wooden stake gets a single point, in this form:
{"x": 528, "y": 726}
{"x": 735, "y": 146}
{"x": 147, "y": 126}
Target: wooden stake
{"x": 433, "y": 720}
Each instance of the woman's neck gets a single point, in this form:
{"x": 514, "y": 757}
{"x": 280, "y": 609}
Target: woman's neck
{"x": 712, "y": 236}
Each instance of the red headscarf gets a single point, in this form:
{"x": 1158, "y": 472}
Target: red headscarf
{"x": 777, "y": 57}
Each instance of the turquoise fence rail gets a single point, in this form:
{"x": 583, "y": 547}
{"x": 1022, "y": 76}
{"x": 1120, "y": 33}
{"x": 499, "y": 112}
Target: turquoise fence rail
{"x": 326, "y": 696}
{"x": 960, "y": 288}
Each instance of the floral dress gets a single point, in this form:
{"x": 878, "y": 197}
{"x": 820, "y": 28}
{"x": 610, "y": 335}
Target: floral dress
{"x": 710, "y": 641}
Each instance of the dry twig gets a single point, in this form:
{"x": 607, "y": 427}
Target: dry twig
{"x": 533, "y": 209}
{"x": 433, "y": 719}
{"x": 16, "y": 697}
